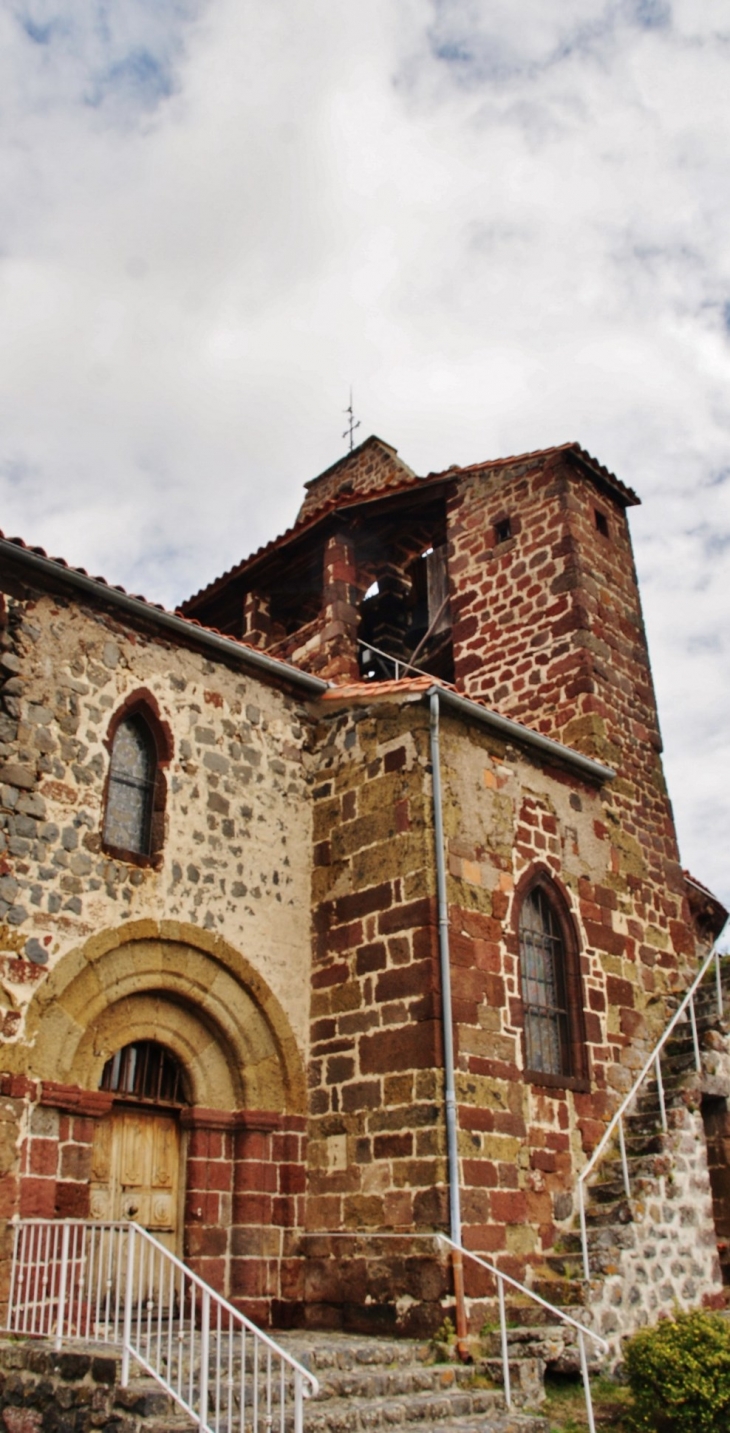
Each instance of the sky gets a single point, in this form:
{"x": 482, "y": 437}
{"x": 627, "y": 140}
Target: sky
{"x": 505, "y": 225}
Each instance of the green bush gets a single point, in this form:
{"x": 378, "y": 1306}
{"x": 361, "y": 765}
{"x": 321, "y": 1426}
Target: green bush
{"x": 679, "y": 1375}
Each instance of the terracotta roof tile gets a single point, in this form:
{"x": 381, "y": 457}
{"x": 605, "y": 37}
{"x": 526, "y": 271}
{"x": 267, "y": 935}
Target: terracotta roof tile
{"x": 63, "y": 564}
{"x": 626, "y": 492}
{"x": 389, "y": 491}
{"x": 192, "y": 622}
{"x": 299, "y": 528}
{"x": 351, "y": 691}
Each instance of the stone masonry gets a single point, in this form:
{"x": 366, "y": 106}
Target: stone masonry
{"x": 280, "y": 940}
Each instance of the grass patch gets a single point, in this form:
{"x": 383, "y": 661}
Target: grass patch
{"x": 565, "y": 1405}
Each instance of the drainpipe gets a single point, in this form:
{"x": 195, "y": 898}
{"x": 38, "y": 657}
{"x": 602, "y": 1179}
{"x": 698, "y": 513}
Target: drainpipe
{"x": 462, "y": 1329}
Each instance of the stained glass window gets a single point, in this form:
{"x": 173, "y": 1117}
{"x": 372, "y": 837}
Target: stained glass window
{"x": 542, "y": 966}
{"x": 143, "y": 1071}
{"x": 128, "y": 817}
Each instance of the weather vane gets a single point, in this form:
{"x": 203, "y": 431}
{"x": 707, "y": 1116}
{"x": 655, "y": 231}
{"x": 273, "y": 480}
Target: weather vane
{"x": 352, "y": 424}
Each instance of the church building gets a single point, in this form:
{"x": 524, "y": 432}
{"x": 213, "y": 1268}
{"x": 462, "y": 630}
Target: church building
{"x": 346, "y": 898}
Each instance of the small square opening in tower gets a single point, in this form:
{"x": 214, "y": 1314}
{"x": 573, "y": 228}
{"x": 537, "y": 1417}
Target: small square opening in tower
{"x": 503, "y": 530}
{"x": 601, "y": 522}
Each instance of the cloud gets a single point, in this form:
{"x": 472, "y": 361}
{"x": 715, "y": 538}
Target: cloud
{"x": 505, "y": 225}
{"x": 96, "y": 53}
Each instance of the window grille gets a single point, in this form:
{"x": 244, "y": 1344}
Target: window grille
{"x": 143, "y": 1071}
{"x": 542, "y": 965}
{"x": 130, "y": 795}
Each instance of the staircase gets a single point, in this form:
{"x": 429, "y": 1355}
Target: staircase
{"x": 655, "y": 1247}
{"x": 365, "y": 1384}
{"x": 372, "y": 1383}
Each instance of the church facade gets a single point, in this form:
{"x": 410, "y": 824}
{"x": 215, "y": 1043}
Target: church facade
{"x": 243, "y": 846}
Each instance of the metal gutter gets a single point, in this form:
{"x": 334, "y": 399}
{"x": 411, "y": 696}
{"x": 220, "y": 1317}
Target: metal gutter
{"x": 523, "y": 735}
{"x": 447, "y": 1020}
{"x": 178, "y": 626}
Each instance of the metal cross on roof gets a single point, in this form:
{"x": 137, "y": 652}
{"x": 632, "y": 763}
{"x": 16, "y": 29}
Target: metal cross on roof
{"x": 353, "y": 423}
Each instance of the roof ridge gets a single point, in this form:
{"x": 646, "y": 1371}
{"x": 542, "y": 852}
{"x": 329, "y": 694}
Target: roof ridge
{"x": 176, "y": 613}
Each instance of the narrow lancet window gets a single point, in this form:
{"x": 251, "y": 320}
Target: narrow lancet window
{"x": 544, "y": 993}
{"x": 131, "y": 791}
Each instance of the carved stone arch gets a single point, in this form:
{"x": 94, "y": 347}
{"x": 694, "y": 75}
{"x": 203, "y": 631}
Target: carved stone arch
{"x": 178, "y": 984}
{"x": 539, "y": 878}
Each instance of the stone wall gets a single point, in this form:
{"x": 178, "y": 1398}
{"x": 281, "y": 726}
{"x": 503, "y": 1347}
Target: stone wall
{"x": 523, "y": 1142}
{"x": 203, "y": 947}
{"x": 289, "y": 920}
{"x": 236, "y": 853}
{"x": 377, "y": 1141}
{"x": 667, "y": 1258}
{"x": 42, "y": 1391}
{"x": 548, "y": 629}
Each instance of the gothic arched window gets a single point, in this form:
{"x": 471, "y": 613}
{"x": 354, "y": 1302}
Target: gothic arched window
{"x": 551, "y": 988}
{"x": 130, "y": 796}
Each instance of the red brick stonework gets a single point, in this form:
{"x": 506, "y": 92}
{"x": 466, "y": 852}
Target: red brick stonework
{"x": 284, "y": 946}
{"x": 243, "y": 1177}
{"x": 548, "y": 629}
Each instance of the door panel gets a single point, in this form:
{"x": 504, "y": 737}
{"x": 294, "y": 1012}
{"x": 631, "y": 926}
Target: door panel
{"x": 136, "y": 1172}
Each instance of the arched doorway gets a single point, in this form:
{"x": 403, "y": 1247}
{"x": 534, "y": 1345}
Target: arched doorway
{"x": 136, "y": 1158}
{"x": 168, "y": 1078}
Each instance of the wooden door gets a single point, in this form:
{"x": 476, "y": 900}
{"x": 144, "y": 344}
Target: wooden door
{"x": 135, "y": 1172}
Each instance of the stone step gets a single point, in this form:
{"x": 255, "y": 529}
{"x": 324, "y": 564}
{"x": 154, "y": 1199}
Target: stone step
{"x": 362, "y": 1415}
{"x": 643, "y": 1146}
{"x": 558, "y": 1292}
{"x": 145, "y": 1397}
{"x": 365, "y": 1385}
{"x": 612, "y": 1191}
{"x": 328, "y": 1350}
{"x": 603, "y": 1242}
{"x": 170, "y": 1424}
{"x": 567, "y": 1266}
{"x": 379, "y": 1382}
{"x": 604, "y": 1216}
{"x": 512, "y": 1422}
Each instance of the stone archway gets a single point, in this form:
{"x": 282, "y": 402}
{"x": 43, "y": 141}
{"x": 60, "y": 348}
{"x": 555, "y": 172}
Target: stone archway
{"x": 242, "y": 1123}
{"x": 217, "y": 1013}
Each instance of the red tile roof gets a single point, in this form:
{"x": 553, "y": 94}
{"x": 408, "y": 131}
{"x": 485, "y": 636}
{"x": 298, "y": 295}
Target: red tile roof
{"x": 630, "y": 497}
{"x": 386, "y": 494}
{"x": 352, "y": 691}
{"x": 154, "y": 607}
{"x": 417, "y": 684}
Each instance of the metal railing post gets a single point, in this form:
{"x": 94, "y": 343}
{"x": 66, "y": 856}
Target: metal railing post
{"x": 183, "y": 1338}
{"x": 586, "y": 1382}
{"x": 62, "y": 1282}
{"x": 718, "y": 984}
{"x": 128, "y": 1306}
{"x": 14, "y": 1274}
{"x": 660, "y": 1092}
{"x": 624, "y": 1161}
{"x": 298, "y": 1402}
{"x": 505, "y": 1347}
{"x": 583, "y": 1229}
{"x": 695, "y": 1041}
{"x": 654, "y": 1062}
{"x": 204, "y": 1358}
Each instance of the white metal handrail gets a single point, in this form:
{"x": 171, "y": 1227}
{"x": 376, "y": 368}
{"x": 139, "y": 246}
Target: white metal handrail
{"x": 652, "y": 1064}
{"x": 115, "y": 1284}
{"x": 500, "y": 1279}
